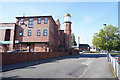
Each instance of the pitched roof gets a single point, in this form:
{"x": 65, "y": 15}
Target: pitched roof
{"x": 83, "y": 45}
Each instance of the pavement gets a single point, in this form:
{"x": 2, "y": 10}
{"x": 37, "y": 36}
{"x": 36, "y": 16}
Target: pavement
{"x": 100, "y": 68}
{"x": 74, "y": 66}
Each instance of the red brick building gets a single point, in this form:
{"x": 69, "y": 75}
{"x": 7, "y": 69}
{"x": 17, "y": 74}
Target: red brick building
{"x": 7, "y": 36}
{"x": 41, "y": 34}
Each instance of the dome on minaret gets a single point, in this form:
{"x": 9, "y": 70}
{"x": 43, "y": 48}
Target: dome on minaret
{"x": 67, "y": 17}
{"x": 67, "y": 14}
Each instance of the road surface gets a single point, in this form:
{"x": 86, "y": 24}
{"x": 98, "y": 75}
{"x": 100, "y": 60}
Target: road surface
{"x": 74, "y": 66}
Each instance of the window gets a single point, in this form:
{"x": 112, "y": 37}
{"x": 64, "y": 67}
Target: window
{"x": 21, "y": 21}
{"x": 67, "y": 25}
{"x": 29, "y": 32}
{"x": 45, "y": 32}
{"x": 46, "y": 20}
{"x": 41, "y": 46}
{"x": 30, "y": 22}
{"x": 21, "y": 33}
{"x": 6, "y": 45}
{"x": 70, "y": 25}
{"x": 39, "y": 20}
{"x": 38, "y": 32}
{"x": 20, "y": 45}
{"x": 31, "y": 50}
{"x": 67, "y": 35}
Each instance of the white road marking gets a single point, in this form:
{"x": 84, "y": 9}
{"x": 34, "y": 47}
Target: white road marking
{"x": 88, "y": 62}
{"x": 87, "y": 69}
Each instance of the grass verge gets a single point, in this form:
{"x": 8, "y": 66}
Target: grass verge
{"x": 114, "y": 53}
{"x": 113, "y": 72}
{"x": 91, "y": 52}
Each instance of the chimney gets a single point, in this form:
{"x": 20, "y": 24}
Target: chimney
{"x": 23, "y": 14}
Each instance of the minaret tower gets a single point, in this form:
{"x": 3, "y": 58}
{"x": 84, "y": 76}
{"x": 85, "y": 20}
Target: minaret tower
{"x": 67, "y": 25}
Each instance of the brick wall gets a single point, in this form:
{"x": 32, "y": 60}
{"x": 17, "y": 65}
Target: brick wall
{"x": 11, "y": 58}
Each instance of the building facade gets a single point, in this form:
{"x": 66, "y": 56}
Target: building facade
{"x": 41, "y": 34}
{"x": 7, "y": 36}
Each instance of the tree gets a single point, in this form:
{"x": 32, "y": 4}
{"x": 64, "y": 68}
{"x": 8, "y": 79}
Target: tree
{"x": 113, "y": 38}
{"x": 73, "y": 40}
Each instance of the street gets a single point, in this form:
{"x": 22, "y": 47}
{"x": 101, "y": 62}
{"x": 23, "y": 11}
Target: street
{"x": 73, "y": 66}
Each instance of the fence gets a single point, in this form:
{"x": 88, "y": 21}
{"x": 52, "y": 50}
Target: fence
{"x": 115, "y": 65}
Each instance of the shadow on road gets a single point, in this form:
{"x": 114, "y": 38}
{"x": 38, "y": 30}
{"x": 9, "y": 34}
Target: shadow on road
{"x": 91, "y": 55}
{"x": 32, "y": 63}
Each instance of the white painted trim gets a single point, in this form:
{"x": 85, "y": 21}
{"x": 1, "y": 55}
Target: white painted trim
{"x": 7, "y": 27}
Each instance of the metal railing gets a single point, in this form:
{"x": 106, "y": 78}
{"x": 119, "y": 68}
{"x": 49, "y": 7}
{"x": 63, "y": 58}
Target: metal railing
{"x": 114, "y": 64}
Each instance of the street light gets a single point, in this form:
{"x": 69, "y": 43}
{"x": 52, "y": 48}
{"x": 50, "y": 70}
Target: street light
{"x": 106, "y": 36}
{"x": 79, "y": 42}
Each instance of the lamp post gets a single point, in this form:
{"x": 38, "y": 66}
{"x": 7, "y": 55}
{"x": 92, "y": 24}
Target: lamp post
{"x": 78, "y": 40}
{"x": 106, "y": 36}
{"x": 79, "y": 43}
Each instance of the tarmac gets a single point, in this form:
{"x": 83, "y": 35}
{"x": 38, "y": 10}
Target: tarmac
{"x": 81, "y": 66}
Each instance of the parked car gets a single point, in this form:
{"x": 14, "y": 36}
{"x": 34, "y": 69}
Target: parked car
{"x": 117, "y": 51}
{"x": 17, "y": 51}
{"x": 13, "y": 51}
{"x": 84, "y": 50}
{"x": 103, "y": 51}
{"x": 24, "y": 50}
